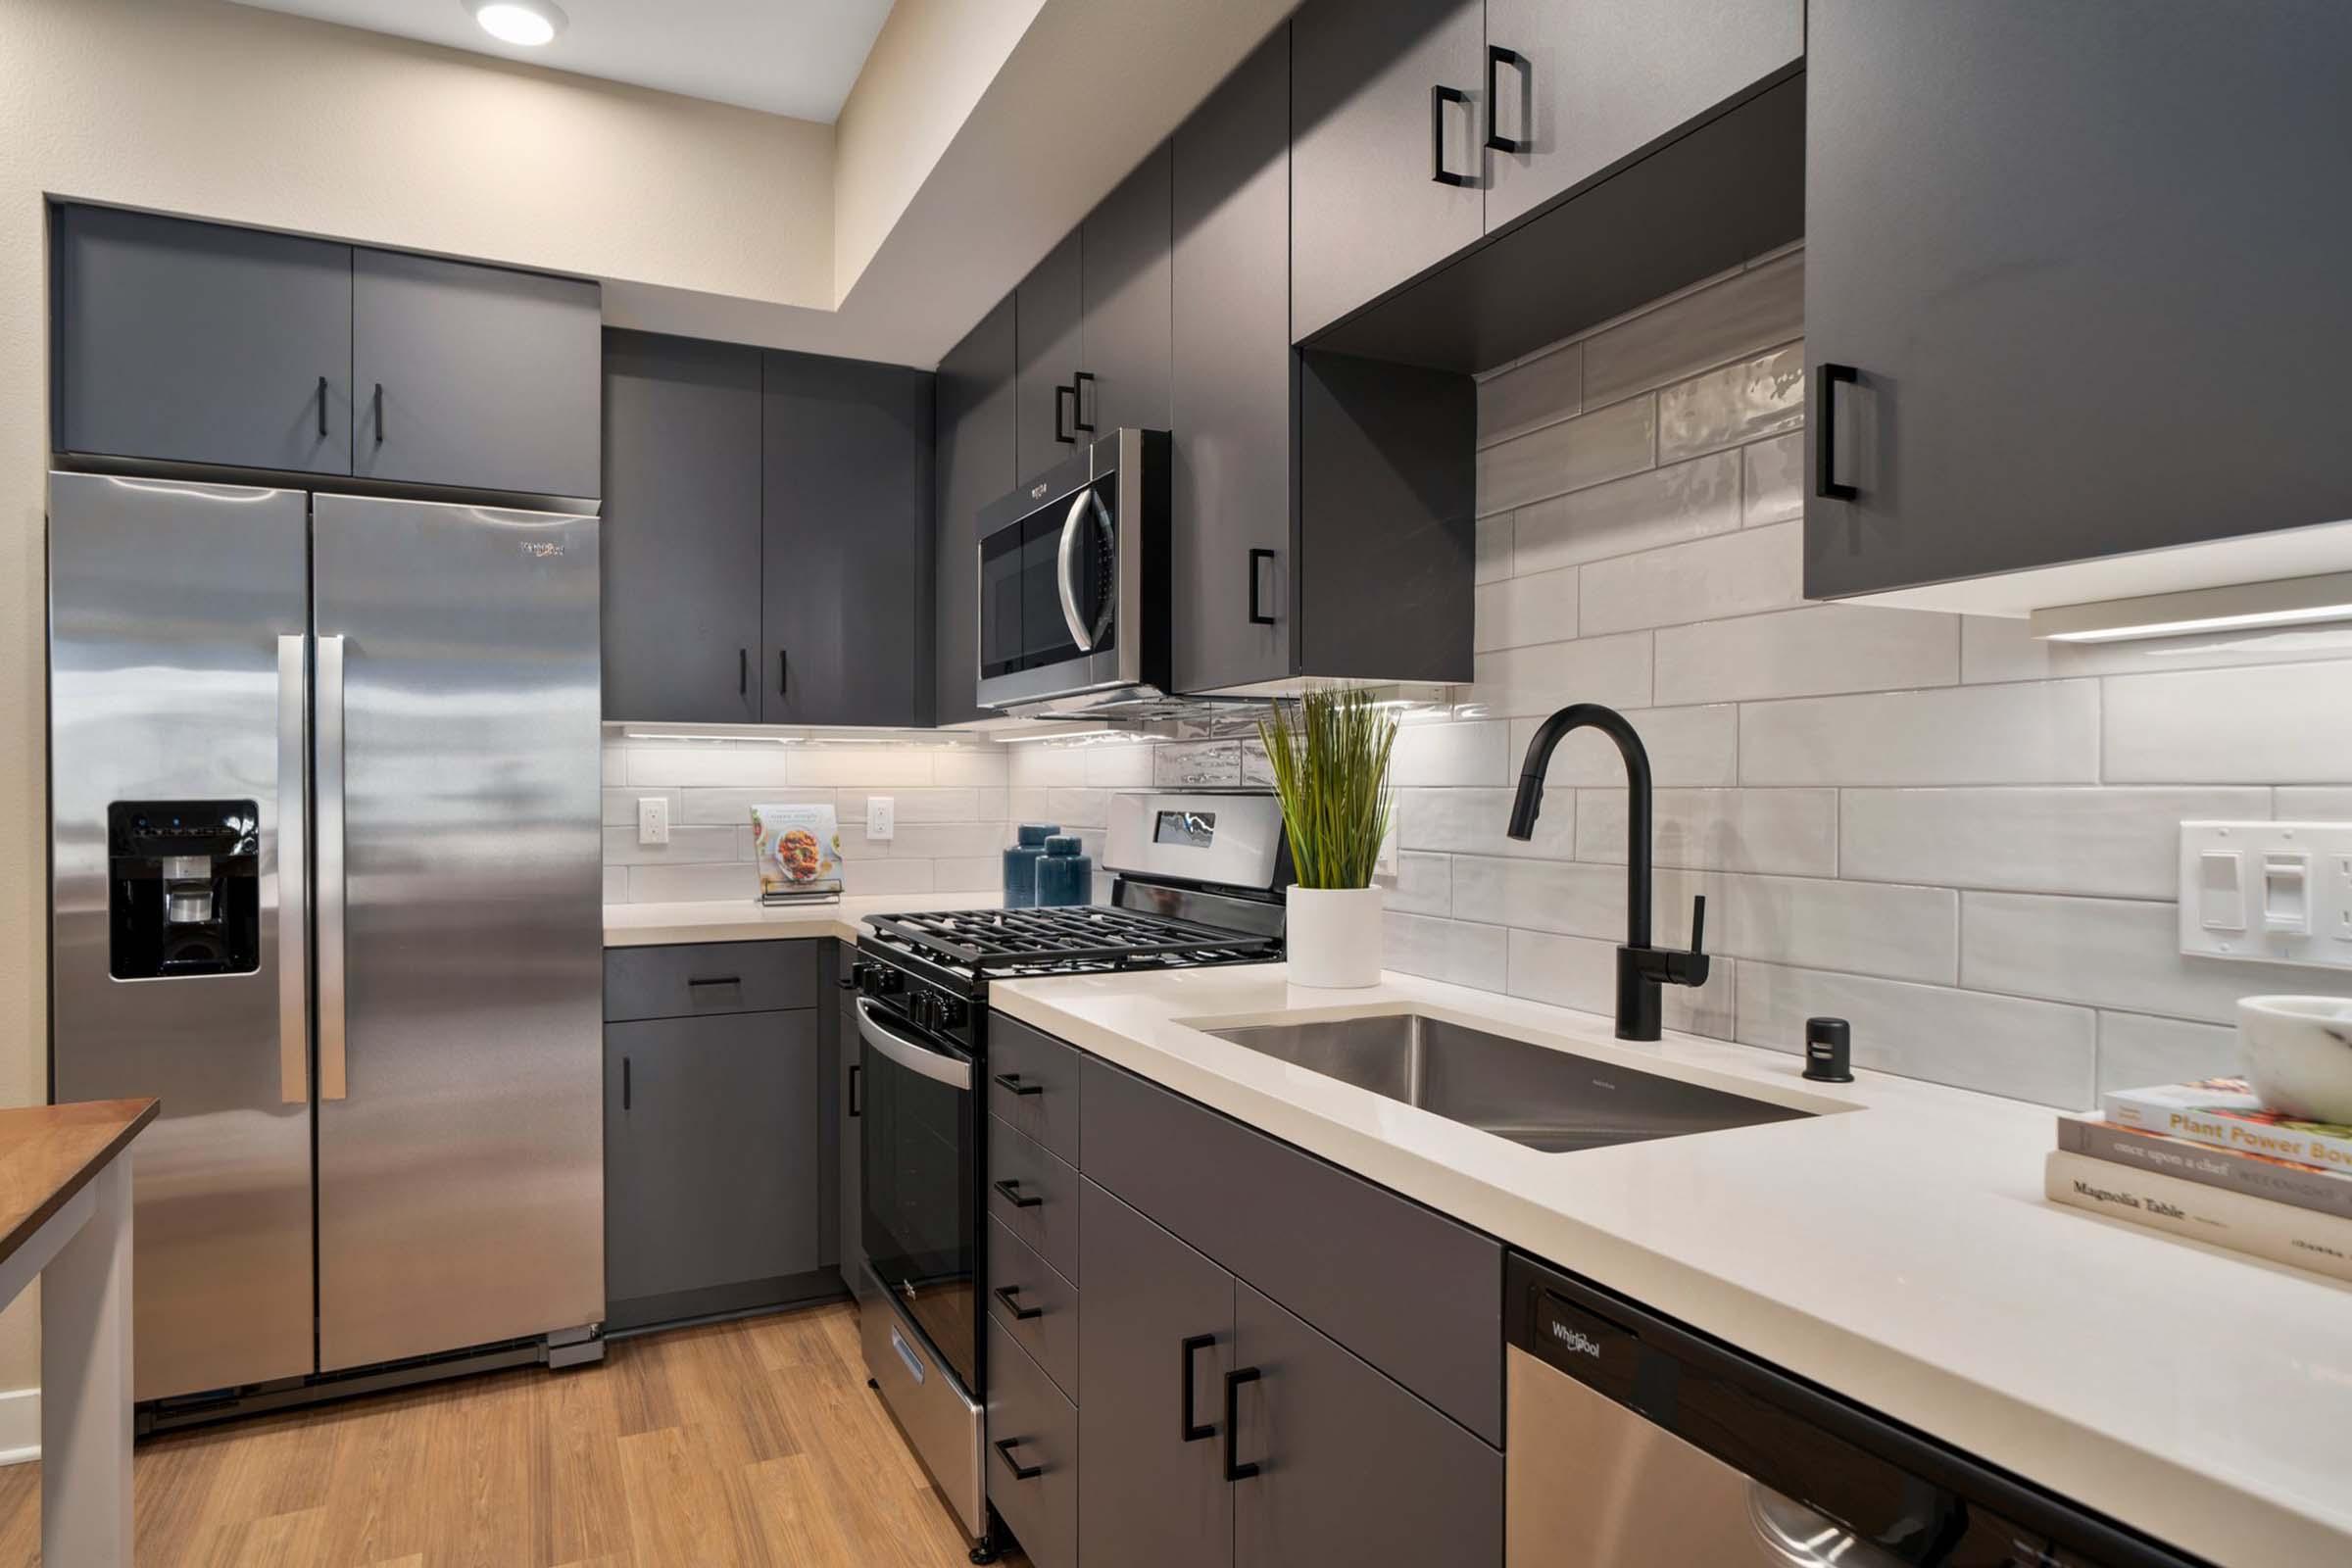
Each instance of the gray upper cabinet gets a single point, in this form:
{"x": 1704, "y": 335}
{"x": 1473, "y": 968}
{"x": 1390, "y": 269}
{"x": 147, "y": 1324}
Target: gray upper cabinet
{"x": 1127, "y": 312}
{"x": 195, "y": 343}
{"x": 1581, "y": 88}
{"x": 681, "y": 530}
{"x": 1387, "y": 116}
{"x": 474, "y": 376}
{"x": 1234, "y": 381}
{"x": 975, "y": 443}
{"x": 1048, "y": 310}
{"x": 847, "y": 500}
{"x": 2084, "y": 266}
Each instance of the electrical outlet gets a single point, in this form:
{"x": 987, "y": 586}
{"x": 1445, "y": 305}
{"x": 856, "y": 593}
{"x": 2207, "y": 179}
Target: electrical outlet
{"x": 881, "y": 816}
{"x": 653, "y": 819}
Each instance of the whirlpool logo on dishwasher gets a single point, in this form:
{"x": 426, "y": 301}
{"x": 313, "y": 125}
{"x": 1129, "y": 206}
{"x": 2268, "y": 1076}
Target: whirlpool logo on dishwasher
{"x": 1576, "y": 1340}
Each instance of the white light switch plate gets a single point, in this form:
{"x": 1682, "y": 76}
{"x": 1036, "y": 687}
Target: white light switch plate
{"x": 2269, "y": 892}
{"x": 653, "y": 819}
{"x": 881, "y": 816}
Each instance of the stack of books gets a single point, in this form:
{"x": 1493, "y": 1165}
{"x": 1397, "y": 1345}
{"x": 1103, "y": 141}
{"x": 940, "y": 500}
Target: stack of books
{"x": 2204, "y": 1159}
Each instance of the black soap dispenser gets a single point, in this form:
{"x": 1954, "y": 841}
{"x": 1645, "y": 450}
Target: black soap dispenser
{"x": 1829, "y": 1051}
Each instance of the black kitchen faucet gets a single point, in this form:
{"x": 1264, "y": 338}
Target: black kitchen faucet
{"x": 1640, "y": 968}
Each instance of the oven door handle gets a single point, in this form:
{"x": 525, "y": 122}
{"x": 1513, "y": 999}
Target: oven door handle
{"x": 1084, "y": 635}
{"x": 913, "y": 1055}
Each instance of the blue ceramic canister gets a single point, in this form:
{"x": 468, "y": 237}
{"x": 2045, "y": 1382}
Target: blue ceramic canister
{"x": 1021, "y": 864}
{"x": 1064, "y": 875}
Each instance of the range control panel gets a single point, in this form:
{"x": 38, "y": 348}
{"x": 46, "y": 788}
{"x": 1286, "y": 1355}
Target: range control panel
{"x": 2271, "y": 891}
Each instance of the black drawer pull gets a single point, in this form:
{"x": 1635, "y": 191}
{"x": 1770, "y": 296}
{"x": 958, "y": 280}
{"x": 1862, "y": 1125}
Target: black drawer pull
{"x": 783, "y": 674}
{"x": 323, "y": 406}
{"x": 735, "y": 980}
{"x": 1020, "y": 1471}
{"x": 1439, "y": 98}
{"x": 1193, "y": 1431}
{"x": 1497, "y": 55}
{"x": 1235, "y": 1470}
{"x": 1020, "y": 1313}
{"x": 857, "y": 1084}
{"x": 1012, "y": 1195}
{"x": 1825, "y": 432}
{"x": 380, "y": 414}
{"x": 1011, "y": 1083}
{"x": 625, "y": 1086}
{"x": 1258, "y": 617}
{"x": 743, "y": 672}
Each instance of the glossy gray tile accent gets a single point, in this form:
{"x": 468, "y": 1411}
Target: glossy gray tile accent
{"x": 1817, "y": 650}
{"x": 1739, "y": 403}
{"x": 1771, "y": 482}
{"x": 1661, "y": 506}
{"x": 1694, "y": 747}
{"x": 1430, "y": 754}
{"x": 2120, "y": 843}
{"x": 1520, "y": 611}
{"x": 2046, "y": 733}
{"x": 2137, "y": 1052}
{"x": 1568, "y": 455}
{"x": 1536, "y": 681}
{"x": 1534, "y": 392}
{"x": 2025, "y": 1049}
{"x": 1471, "y": 821}
{"x": 2276, "y": 724}
{"x": 2113, "y": 952}
{"x": 1744, "y": 312}
{"x": 1731, "y": 574}
{"x": 1789, "y": 831}
{"x": 1582, "y": 972}
{"x": 1201, "y": 764}
{"x": 1456, "y": 950}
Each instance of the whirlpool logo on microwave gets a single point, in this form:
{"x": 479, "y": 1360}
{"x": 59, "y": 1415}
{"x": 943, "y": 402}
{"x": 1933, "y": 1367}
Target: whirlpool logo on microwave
{"x": 1037, "y": 492}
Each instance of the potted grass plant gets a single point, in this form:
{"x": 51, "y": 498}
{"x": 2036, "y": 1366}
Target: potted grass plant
{"x": 1330, "y": 756}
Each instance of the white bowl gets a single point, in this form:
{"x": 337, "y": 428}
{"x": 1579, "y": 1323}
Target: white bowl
{"x": 2298, "y": 1054}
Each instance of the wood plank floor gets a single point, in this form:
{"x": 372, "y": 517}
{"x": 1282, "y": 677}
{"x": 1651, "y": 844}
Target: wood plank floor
{"x": 754, "y": 1444}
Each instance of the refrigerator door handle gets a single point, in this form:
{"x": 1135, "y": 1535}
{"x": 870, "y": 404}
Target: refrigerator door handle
{"x": 293, "y": 871}
{"x": 331, "y": 1082}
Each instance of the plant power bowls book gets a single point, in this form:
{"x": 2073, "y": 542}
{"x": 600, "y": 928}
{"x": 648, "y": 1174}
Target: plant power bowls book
{"x": 2225, "y": 1113}
{"x": 798, "y": 848}
{"x": 2281, "y": 1181}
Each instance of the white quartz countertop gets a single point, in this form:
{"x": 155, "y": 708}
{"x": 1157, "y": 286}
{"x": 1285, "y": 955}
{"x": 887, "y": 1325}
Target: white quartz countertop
{"x": 1898, "y": 1251}
{"x": 648, "y": 925}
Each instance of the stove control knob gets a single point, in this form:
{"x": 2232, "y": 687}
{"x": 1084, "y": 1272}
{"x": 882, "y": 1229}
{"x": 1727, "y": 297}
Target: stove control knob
{"x": 876, "y": 980}
{"x": 925, "y": 1010}
{"x": 952, "y": 1012}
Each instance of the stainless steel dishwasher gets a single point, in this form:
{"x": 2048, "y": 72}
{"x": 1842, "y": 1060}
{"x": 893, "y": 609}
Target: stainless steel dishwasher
{"x": 1634, "y": 1443}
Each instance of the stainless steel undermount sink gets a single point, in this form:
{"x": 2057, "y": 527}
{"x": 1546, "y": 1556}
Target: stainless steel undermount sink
{"x": 1549, "y": 1100}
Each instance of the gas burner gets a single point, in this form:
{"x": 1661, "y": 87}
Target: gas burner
{"x": 1079, "y": 939}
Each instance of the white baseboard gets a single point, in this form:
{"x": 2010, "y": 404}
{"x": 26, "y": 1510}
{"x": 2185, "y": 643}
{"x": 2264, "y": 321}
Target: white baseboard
{"x": 20, "y": 1425}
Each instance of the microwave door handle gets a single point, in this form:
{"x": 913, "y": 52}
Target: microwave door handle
{"x": 1080, "y": 632}
{"x": 293, "y": 869}
{"x": 913, "y": 1055}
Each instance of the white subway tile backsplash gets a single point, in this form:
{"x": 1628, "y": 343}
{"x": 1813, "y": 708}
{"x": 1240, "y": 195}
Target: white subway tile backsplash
{"x": 693, "y": 884}
{"x": 1747, "y": 311}
{"x": 1790, "y": 831}
{"x": 1581, "y": 899}
{"x": 2276, "y": 724}
{"x": 1568, "y": 455}
{"x": 615, "y": 763}
{"x": 2120, "y": 843}
{"x": 982, "y": 763}
{"x": 2039, "y": 733}
{"x": 1739, "y": 403}
{"x": 1037, "y": 764}
{"x": 1520, "y": 611}
{"x": 726, "y": 806}
{"x": 1661, "y": 506}
{"x": 1079, "y": 809}
{"x": 616, "y": 884}
{"x": 711, "y": 763}
{"x": 1430, "y": 754}
{"x": 918, "y": 805}
{"x": 621, "y": 804}
{"x": 686, "y": 844}
{"x": 1696, "y": 748}
{"x": 1731, "y": 574}
{"x": 1895, "y": 932}
{"x": 1772, "y": 480}
{"x": 947, "y": 841}
{"x": 978, "y": 874}
{"x": 2298, "y": 803}
{"x": 2137, "y": 1052}
{"x": 1471, "y": 821}
{"x": 1817, "y": 650}
{"x": 2033, "y": 1050}
{"x": 1118, "y": 765}
{"x": 2112, "y": 952}
{"x": 1455, "y": 950}
{"x": 1534, "y": 392}
{"x": 1596, "y": 670}
{"x": 1423, "y": 884}
{"x": 1582, "y": 972}
{"x": 1494, "y": 559}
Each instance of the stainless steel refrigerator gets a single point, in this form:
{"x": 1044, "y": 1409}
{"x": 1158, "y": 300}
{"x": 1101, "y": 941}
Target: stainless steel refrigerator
{"x": 324, "y": 862}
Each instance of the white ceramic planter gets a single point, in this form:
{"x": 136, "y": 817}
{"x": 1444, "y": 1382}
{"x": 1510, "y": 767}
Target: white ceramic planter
{"x": 2298, "y": 1054}
{"x": 1331, "y": 938}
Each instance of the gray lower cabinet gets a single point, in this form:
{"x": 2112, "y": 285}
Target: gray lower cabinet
{"x": 1048, "y": 309}
{"x": 974, "y": 466}
{"x": 1350, "y": 1468}
{"x": 681, "y": 528}
{"x": 198, "y": 343}
{"x": 1153, "y": 1347}
{"x": 474, "y": 376}
{"x": 2084, "y": 266}
{"x": 1031, "y": 1464}
{"x": 848, "y": 1110}
{"x": 1582, "y": 87}
{"x": 845, "y": 558}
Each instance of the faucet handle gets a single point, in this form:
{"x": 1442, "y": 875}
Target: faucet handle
{"x": 1698, "y": 924}
{"x": 1686, "y": 966}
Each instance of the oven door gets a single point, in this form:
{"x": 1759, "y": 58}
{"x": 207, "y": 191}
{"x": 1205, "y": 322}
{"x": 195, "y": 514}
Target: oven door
{"x": 1051, "y": 561}
{"x": 919, "y": 1164}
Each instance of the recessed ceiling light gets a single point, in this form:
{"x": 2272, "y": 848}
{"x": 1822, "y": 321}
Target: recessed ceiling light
{"x": 529, "y": 23}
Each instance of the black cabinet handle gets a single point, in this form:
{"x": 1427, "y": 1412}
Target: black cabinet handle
{"x": 1011, "y": 1083}
{"x": 380, "y": 414}
{"x": 1235, "y": 1470}
{"x": 717, "y": 980}
{"x": 783, "y": 674}
{"x": 1060, "y": 433}
{"x": 624, "y": 1083}
{"x": 322, "y": 407}
{"x": 1257, "y": 617}
{"x": 1825, "y": 432}
{"x": 1497, "y": 55}
{"x": 1020, "y": 1313}
{"x": 1439, "y": 98}
{"x": 856, "y": 1086}
{"x": 1020, "y": 1471}
{"x": 1078, "y": 386}
{"x": 743, "y": 672}
{"x": 1194, "y": 1345}
{"x": 1012, "y": 1195}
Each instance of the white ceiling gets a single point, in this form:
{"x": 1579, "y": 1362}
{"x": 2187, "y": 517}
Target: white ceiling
{"x": 788, "y": 57}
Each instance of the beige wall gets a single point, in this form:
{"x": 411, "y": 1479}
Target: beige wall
{"x": 224, "y": 112}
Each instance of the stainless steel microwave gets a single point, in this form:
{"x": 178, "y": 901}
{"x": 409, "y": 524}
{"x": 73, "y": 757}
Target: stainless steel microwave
{"x": 1074, "y": 582}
